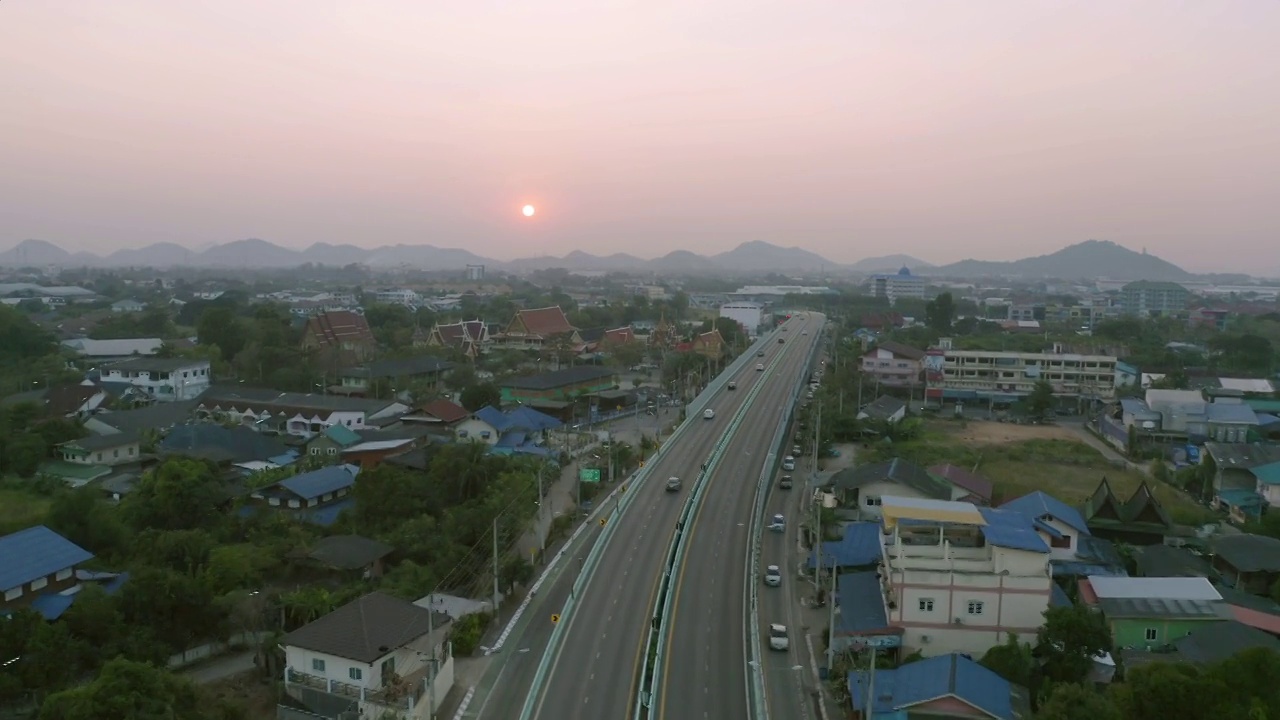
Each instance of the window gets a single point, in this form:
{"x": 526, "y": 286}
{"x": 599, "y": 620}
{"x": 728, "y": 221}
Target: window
{"x": 1151, "y": 634}
{"x": 873, "y": 502}
{"x": 62, "y": 575}
{"x": 39, "y": 583}
{"x": 315, "y": 451}
{"x": 1062, "y": 542}
{"x": 13, "y": 594}
{"x": 317, "y": 664}
{"x": 926, "y": 605}
{"x": 975, "y": 607}
{"x": 333, "y": 451}
{"x": 355, "y": 674}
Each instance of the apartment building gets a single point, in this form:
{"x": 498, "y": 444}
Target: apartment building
{"x": 398, "y": 296}
{"x": 1007, "y": 376}
{"x": 893, "y": 364}
{"x": 900, "y": 285}
{"x": 1148, "y": 299}
{"x": 959, "y": 578}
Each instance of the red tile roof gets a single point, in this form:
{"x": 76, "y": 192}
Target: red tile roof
{"x": 337, "y": 328}
{"x": 445, "y": 411}
{"x": 1256, "y": 619}
{"x": 619, "y": 335}
{"x": 546, "y": 321}
{"x": 964, "y": 480}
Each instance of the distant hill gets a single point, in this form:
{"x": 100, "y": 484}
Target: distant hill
{"x": 889, "y": 263}
{"x": 34, "y": 252}
{"x": 1092, "y": 259}
{"x": 158, "y": 255}
{"x": 759, "y": 256}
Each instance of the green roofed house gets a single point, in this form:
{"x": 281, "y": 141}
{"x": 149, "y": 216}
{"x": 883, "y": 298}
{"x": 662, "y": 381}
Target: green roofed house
{"x": 1140, "y": 520}
{"x": 1146, "y": 614}
{"x": 89, "y": 458}
{"x": 330, "y": 443}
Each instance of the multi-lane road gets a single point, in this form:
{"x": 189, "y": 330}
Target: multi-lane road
{"x": 594, "y": 671}
{"x": 705, "y": 672}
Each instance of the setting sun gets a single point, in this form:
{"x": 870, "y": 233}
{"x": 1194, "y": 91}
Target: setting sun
{"x": 528, "y": 210}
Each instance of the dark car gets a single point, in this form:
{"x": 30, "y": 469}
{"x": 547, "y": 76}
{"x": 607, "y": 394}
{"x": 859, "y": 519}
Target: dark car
{"x": 785, "y": 482}
{"x": 759, "y": 353}
{"x": 733, "y": 386}
{"x": 780, "y": 341}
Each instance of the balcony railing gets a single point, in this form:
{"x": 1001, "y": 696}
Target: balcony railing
{"x": 404, "y": 695}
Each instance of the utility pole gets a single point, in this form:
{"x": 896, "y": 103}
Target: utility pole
{"x": 871, "y": 683}
{"x": 609, "y": 442}
{"x": 542, "y": 538}
{"x": 431, "y": 676}
{"x": 831, "y": 615}
{"x": 496, "y": 595}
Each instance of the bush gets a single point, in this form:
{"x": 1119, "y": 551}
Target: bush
{"x": 468, "y": 631}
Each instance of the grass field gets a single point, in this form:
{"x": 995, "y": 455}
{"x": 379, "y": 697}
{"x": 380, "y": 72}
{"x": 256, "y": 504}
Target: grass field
{"x": 20, "y": 508}
{"x": 1022, "y": 459}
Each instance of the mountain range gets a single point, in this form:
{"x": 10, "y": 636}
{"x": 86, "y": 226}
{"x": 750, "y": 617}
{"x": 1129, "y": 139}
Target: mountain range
{"x": 1089, "y": 259}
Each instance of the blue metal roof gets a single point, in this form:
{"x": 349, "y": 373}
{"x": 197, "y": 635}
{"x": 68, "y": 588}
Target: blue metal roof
{"x": 859, "y": 546}
{"x": 494, "y": 418}
{"x": 511, "y": 439}
{"x": 1058, "y": 597}
{"x": 1011, "y": 529}
{"x": 316, "y": 483}
{"x": 1039, "y": 504}
{"x": 35, "y": 553}
{"x": 1237, "y": 413}
{"x": 52, "y": 605}
{"x": 934, "y": 678}
{"x": 861, "y": 604}
{"x": 327, "y": 514}
{"x": 526, "y": 418}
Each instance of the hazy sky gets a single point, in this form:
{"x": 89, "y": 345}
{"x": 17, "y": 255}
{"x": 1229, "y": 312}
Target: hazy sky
{"x": 976, "y": 128}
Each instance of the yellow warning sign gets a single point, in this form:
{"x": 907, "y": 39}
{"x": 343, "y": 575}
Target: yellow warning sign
{"x": 555, "y": 618}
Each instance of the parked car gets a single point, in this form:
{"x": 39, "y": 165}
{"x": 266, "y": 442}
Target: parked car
{"x": 788, "y": 463}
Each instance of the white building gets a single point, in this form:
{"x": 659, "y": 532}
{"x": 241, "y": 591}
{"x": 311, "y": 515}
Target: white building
{"x": 398, "y": 296}
{"x": 475, "y": 273}
{"x": 378, "y": 656}
{"x": 982, "y": 374}
{"x": 166, "y": 379}
{"x": 747, "y": 314}
{"x": 898, "y": 286}
{"x": 958, "y": 578}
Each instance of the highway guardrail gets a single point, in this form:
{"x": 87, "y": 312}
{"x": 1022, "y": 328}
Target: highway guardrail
{"x": 593, "y": 557}
{"x": 675, "y": 555}
{"x": 759, "y": 705}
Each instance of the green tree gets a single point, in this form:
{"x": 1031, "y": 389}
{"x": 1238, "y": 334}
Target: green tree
{"x": 86, "y": 519}
{"x": 1073, "y": 701}
{"x": 1012, "y": 661}
{"x": 220, "y": 327}
{"x": 23, "y": 339}
{"x": 179, "y": 493}
{"x": 1160, "y": 690}
{"x": 1068, "y": 641}
{"x": 480, "y": 395}
{"x": 127, "y": 690}
{"x": 1040, "y": 399}
{"x": 940, "y": 312}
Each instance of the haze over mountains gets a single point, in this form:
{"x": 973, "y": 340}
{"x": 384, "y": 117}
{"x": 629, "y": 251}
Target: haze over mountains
{"x": 1090, "y": 259}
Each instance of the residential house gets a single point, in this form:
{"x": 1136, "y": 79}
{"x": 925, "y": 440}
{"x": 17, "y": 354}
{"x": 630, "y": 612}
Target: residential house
{"x": 1169, "y": 561}
{"x": 946, "y": 686}
{"x": 330, "y": 442}
{"x": 1126, "y": 375}
{"x": 566, "y": 384}
{"x": 63, "y": 401}
{"x": 439, "y": 413}
{"x": 860, "y": 546}
{"x": 1247, "y": 562}
{"x": 115, "y": 349}
{"x": 1149, "y": 298}
{"x": 370, "y": 453}
{"x": 1230, "y": 422}
{"x": 894, "y": 365}
{"x": 958, "y": 578}
{"x": 299, "y": 414}
{"x": 109, "y": 450}
{"x": 350, "y": 554}
{"x": 1153, "y": 613}
{"x": 1065, "y": 525}
{"x": 521, "y": 430}
{"x": 34, "y": 562}
{"x": 317, "y": 497}
{"x": 375, "y": 656}
{"x": 1214, "y": 642}
{"x": 127, "y": 306}
{"x": 1140, "y": 520}
{"x": 1246, "y": 477}
{"x": 219, "y": 444}
{"x": 158, "y": 419}
{"x": 997, "y": 376}
{"x": 165, "y": 379}
{"x": 978, "y": 490}
{"x": 342, "y": 336}
{"x": 1134, "y": 412}
{"x": 885, "y": 409}
{"x": 863, "y": 486}
{"x": 396, "y": 375}
{"x": 469, "y": 337}
{"x": 540, "y": 328}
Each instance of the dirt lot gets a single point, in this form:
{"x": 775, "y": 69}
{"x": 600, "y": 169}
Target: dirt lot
{"x": 996, "y": 433}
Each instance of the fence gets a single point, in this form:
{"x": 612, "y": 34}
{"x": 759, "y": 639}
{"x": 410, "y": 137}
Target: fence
{"x": 191, "y": 656}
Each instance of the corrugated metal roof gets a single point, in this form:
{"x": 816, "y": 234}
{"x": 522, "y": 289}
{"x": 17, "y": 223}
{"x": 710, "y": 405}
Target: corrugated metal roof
{"x": 35, "y": 553}
{"x": 1012, "y": 530}
{"x": 1040, "y": 504}
{"x": 862, "y": 607}
{"x": 935, "y": 678}
{"x": 319, "y": 482}
{"x": 1174, "y": 588}
{"x": 861, "y": 545}
{"x": 901, "y": 508}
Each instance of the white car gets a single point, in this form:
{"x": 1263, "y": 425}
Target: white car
{"x": 788, "y": 463}
{"x": 772, "y": 576}
{"x": 778, "y": 637}
{"x": 708, "y": 414}
{"x": 759, "y": 367}
{"x": 779, "y": 523}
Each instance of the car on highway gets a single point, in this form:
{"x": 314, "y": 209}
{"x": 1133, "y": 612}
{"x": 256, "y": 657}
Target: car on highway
{"x": 778, "y": 637}
{"x": 733, "y": 386}
{"x": 806, "y": 332}
{"x": 759, "y": 353}
{"x": 781, "y": 340}
{"x": 788, "y": 463}
{"x": 673, "y": 484}
{"x": 785, "y": 482}
{"x": 779, "y": 523}
{"x": 772, "y": 576}
{"x": 759, "y": 367}
{"x": 708, "y": 414}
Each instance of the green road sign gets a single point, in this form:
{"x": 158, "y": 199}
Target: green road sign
{"x": 589, "y": 474}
